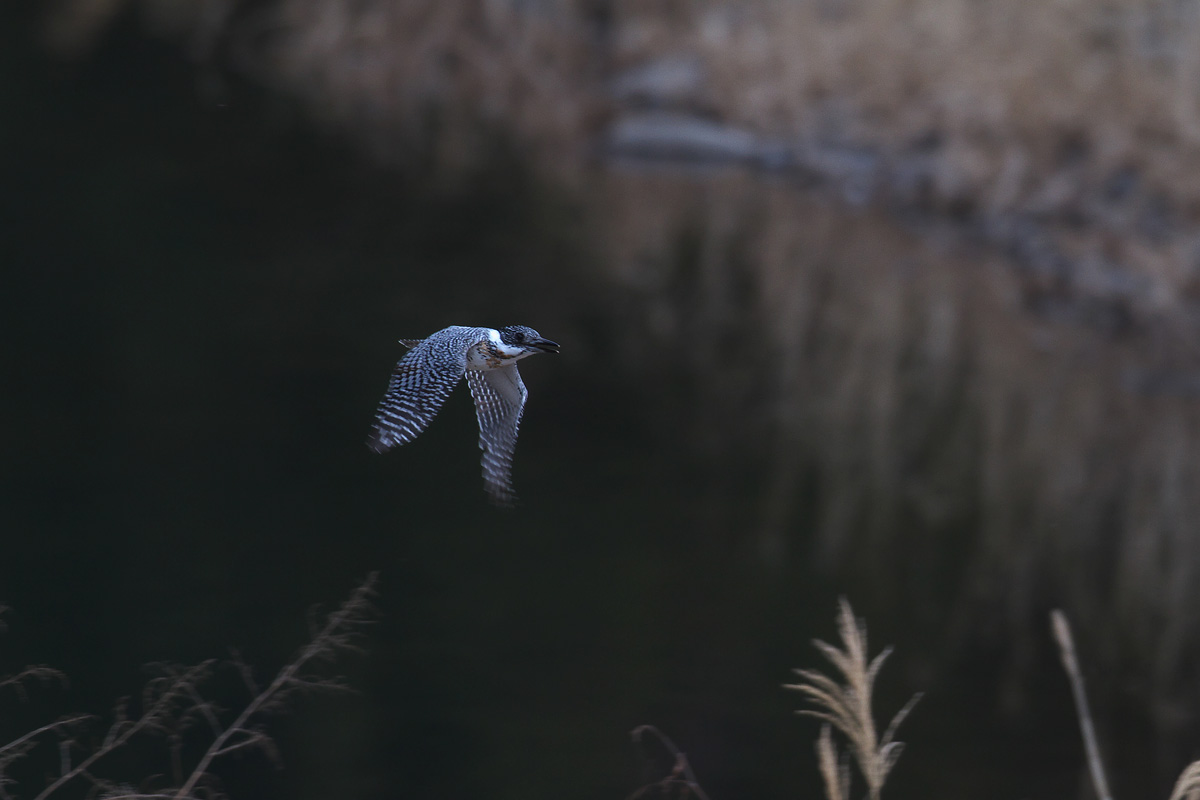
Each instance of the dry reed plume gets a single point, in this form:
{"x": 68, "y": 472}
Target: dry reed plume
{"x": 844, "y": 703}
{"x": 846, "y": 706}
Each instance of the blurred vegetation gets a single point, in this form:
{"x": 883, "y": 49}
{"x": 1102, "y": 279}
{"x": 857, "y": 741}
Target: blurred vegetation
{"x": 174, "y": 741}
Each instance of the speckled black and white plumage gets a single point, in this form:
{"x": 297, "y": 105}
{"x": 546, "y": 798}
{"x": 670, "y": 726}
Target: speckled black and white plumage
{"x": 499, "y": 396}
{"x": 424, "y": 378}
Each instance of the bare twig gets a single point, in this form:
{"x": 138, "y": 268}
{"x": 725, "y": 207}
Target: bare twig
{"x": 173, "y": 704}
{"x": 166, "y": 696}
{"x": 61, "y": 724}
{"x": 35, "y": 674}
{"x": 337, "y": 634}
{"x": 681, "y": 776}
{"x": 1066, "y": 646}
{"x": 16, "y": 749}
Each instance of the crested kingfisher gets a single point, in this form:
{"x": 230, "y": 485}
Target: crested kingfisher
{"x": 433, "y": 366}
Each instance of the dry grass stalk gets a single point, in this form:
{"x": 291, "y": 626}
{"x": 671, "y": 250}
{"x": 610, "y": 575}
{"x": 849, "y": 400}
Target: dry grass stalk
{"x": 847, "y": 707}
{"x": 338, "y": 634}
{"x": 174, "y": 703}
{"x": 1066, "y": 646}
{"x": 1187, "y": 787}
{"x": 835, "y": 772}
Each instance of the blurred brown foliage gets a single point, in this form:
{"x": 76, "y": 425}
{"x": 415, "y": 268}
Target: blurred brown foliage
{"x": 896, "y": 367}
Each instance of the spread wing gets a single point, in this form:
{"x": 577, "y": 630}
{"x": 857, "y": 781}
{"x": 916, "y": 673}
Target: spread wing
{"x": 499, "y": 401}
{"x": 419, "y": 386}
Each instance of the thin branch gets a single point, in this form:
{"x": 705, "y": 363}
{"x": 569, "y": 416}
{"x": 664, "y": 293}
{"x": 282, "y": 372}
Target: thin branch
{"x": 202, "y": 709}
{"x": 173, "y": 703}
{"x": 245, "y": 671}
{"x": 53, "y": 726}
{"x": 39, "y": 673}
{"x": 255, "y": 740}
{"x": 681, "y": 774}
{"x": 151, "y": 718}
{"x": 1066, "y": 645}
{"x": 334, "y": 635}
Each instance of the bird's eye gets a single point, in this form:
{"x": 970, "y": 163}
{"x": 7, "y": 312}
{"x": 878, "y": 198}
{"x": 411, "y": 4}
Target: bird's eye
{"x": 518, "y": 336}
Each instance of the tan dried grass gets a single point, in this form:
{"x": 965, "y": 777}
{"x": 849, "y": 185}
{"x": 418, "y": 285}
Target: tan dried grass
{"x": 846, "y": 706}
{"x": 980, "y": 455}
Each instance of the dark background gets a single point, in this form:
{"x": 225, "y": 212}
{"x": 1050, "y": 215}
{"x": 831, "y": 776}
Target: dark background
{"x": 202, "y": 296}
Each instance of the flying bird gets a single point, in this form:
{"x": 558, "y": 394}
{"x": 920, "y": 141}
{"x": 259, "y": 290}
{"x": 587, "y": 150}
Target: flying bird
{"x": 433, "y": 366}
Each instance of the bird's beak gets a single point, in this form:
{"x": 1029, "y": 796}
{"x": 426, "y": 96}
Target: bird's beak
{"x": 545, "y": 345}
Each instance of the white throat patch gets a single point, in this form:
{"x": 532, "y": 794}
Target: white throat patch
{"x": 494, "y": 353}
{"x": 505, "y": 350}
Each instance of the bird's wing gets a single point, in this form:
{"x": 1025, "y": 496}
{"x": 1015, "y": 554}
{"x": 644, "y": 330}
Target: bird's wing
{"x": 419, "y": 386}
{"x": 499, "y": 400}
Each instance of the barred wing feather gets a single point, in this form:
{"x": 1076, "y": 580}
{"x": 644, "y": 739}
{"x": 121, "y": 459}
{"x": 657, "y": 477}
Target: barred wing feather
{"x": 499, "y": 396}
{"x": 419, "y": 386}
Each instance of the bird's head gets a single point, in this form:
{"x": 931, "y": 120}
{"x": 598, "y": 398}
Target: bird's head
{"x": 519, "y": 341}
